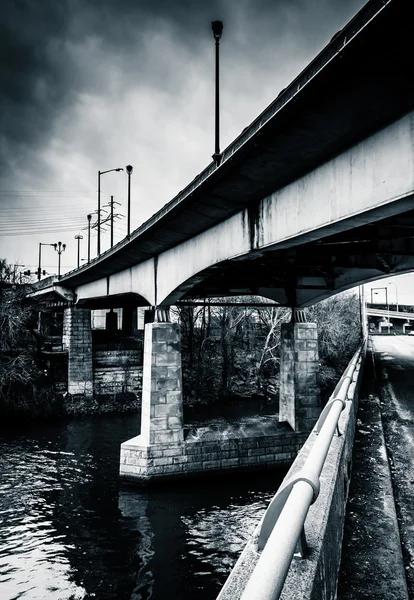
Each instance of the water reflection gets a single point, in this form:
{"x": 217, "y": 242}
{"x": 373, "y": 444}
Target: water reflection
{"x": 69, "y": 532}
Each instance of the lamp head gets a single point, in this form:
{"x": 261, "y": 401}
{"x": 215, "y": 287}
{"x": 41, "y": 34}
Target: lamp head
{"x": 64, "y": 246}
{"x": 129, "y": 169}
{"x": 217, "y": 27}
{"x": 119, "y": 169}
{"x": 89, "y": 217}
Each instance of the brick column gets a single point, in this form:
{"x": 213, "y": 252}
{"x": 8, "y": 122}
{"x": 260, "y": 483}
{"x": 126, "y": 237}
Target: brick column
{"x": 299, "y": 396}
{"x": 77, "y": 340}
{"x": 162, "y": 398}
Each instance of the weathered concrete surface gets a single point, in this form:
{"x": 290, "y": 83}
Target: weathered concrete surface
{"x": 299, "y": 394}
{"x": 371, "y": 182}
{"x": 315, "y": 577}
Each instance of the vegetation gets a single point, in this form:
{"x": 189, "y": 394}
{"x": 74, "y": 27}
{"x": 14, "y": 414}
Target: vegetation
{"x": 235, "y": 351}
{"x": 20, "y": 377}
{"x": 228, "y": 351}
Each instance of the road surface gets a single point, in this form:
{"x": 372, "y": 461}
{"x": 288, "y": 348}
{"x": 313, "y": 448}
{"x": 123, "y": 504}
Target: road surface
{"x": 394, "y": 367}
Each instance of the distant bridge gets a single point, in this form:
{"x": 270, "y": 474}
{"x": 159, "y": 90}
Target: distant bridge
{"x": 392, "y": 314}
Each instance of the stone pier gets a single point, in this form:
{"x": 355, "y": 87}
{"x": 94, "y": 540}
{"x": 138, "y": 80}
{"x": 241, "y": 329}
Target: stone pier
{"x": 299, "y": 396}
{"x": 160, "y": 451}
{"x": 158, "y": 448}
{"x": 77, "y": 340}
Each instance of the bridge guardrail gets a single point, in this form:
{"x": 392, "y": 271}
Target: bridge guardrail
{"x": 281, "y": 531}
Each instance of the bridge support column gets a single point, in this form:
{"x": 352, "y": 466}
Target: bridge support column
{"x": 77, "y": 340}
{"x": 129, "y": 320}
{"x": 156, "y": 450}
{"x": 299, "y": 396}
{"x": 111, "y": 321}
{"x": 162, "y": 398}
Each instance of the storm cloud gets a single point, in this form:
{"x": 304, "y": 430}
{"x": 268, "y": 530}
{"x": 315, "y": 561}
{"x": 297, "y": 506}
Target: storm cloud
{"x": 91, "y": 84}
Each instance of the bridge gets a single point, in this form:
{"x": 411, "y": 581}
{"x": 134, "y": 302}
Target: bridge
{"x": 313, "y": 198}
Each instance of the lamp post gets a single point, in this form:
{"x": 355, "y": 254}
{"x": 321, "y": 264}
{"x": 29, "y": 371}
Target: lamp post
{"x": 217, "y": 27}
{"x": 129, "y": 170}
{"x": 39, "y": 269}
{"x": 59, "y": 247}
{"x": 99, "y": 205}
{"x": 396, "y": 292}
{"x": 79, "y": 238}
{"x": 89, "y": 238}
{"x": 386, "y": 302}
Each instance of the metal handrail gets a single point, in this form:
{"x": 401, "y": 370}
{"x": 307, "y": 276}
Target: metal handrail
{"x": 282, "y": 528}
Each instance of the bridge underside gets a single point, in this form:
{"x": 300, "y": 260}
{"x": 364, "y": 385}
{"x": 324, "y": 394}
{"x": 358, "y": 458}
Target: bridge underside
{"x": 304, "y": 274}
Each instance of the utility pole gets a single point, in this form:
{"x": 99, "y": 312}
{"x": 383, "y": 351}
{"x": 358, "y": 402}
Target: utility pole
{"x": 112, "y": 221}
{"x": 111, "y": 217}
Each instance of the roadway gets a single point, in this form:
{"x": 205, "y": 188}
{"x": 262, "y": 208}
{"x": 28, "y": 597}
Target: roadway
{"x": 394, "y": 359}
{"x": 378, "y": 549}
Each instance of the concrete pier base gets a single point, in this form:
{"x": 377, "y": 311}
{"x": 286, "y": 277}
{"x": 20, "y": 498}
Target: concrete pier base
{"x": 299, "y": 396}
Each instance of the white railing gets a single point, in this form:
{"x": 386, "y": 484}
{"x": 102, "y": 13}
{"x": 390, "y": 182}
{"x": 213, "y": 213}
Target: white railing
{"x": 282, "y": 528}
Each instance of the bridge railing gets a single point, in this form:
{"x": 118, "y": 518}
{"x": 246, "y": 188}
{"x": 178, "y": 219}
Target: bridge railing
{"x": 281, "y": 531}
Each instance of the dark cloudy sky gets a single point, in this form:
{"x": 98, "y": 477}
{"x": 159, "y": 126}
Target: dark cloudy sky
{"x": 91, "y": 85}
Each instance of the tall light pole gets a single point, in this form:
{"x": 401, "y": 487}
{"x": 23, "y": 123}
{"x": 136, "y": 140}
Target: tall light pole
{"x": 89, "y": 238}
{"x": 79, "y": 238}
{"x": 39, "y": 269}
{"x": 129, "y": 170}
{"x": 59, "y": 247}
{"x": 99, "y": 205}
{"x": 396, "y": 291}
{"x": 217, "y": 27}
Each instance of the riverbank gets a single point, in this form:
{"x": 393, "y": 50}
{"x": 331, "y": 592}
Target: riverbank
{"x": 49, "y": 405}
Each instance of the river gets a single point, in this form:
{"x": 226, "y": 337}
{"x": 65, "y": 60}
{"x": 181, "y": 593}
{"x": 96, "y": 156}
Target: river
{"x": 70, "y": 531}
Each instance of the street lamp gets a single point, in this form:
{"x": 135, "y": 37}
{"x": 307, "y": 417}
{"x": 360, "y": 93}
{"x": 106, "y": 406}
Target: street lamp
{"x": 99, "y": 205}
{"x": 89, "y": 238}
{"x": 396, "y": 291}
{"x": 129, "y": 171}
{"x": 39, "y": 269}
{"x": 59, "y": 247}
{"x": 79, "y": 238}
{"x": 217, "y": 27}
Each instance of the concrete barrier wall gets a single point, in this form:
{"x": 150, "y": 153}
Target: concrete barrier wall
{"x": 314, "y": 577}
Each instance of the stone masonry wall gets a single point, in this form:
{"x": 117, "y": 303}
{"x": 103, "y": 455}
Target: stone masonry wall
{"x": 299, "y": 400}
{"x": 142, "y": 464}
{"x": 117, "y": 371}
{"x": 77, "y": 340}
{"x": 162, "y": 398}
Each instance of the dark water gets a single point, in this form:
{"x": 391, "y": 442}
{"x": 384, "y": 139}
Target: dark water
{"x": 70, "y": 531}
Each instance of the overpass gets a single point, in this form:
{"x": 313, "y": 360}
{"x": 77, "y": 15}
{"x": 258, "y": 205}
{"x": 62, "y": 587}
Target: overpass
{"x": 314, "y": 197}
